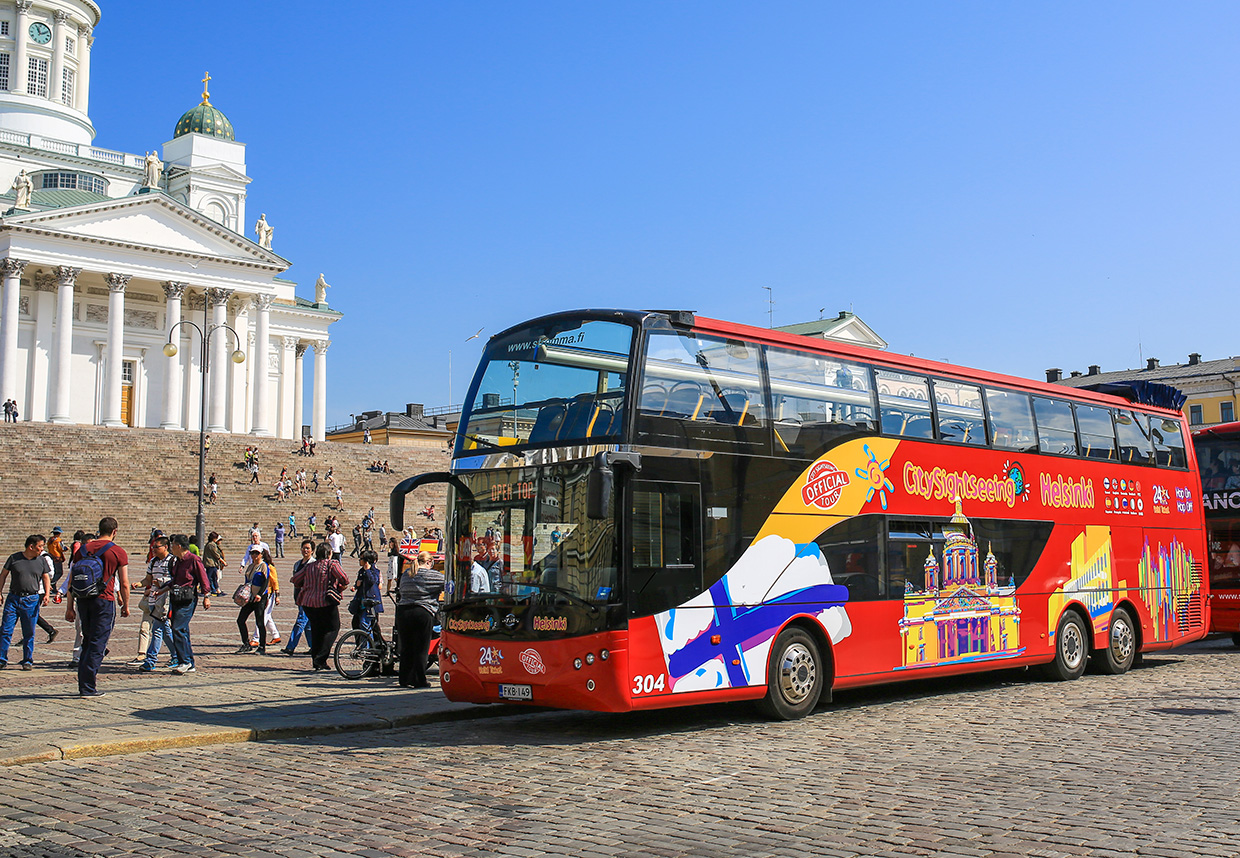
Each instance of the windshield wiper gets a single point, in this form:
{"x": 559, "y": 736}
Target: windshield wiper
{"x": 569, "y": 593}
{"x": 490, "y": 445}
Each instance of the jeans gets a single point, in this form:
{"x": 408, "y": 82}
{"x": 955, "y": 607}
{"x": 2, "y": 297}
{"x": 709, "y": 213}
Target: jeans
{"x": 301, "y": 625}
{"x": 182, "y": 650}
{"x": 26, "y": 609}
{"x": 161, "y": 630}
{"x": 279, "y": 549}
{"x": 98, "y": 616}
{"x": 213, "y": 578}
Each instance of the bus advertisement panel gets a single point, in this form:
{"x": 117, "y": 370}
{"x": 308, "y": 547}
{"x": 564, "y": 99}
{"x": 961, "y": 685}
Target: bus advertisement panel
{"x": 1218, "y": 456}
{"x": 655, "y": 509}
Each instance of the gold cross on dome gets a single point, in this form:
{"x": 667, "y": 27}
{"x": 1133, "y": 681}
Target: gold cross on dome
{"x": 206, "y": 96}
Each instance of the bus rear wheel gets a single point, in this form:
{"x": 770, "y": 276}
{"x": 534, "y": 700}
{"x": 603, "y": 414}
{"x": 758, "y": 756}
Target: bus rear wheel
{"x": 1071, "y": 649}
{"x": 794, "y": 676}
{"x": 1121, "y": 647}
{"x": 1235, "y": 639}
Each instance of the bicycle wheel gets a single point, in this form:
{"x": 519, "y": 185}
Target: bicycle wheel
{"x": 356, "y": 655}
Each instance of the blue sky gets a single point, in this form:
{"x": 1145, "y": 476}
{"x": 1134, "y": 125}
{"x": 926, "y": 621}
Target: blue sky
{"x": 1007, "y": 186}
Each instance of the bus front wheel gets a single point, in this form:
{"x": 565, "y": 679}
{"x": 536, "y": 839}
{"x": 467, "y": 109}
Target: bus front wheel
{"x": 794, "y": 676}
{"x": 1121, "y": 647}
{"x": 1071, "y": 649}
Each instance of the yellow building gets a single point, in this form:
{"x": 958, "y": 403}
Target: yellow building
{"x": 961, "y": 614}
{"x": 411, "y": 428}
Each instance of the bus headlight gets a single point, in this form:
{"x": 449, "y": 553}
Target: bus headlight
{"x": 577, "y": 663}
{"x": 589, "y": 658}
{"x": 454, "y": 658}
{"x": 604, "y": 655}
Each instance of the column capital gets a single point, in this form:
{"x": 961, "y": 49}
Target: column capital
{"x": 320, "y": 346}
{"x": 23, "y": 6}
{"x": 289, "y": 342}
{"x": 300, "y": 349}
{"x": 174, "y": 289}
{"x": 61, "y": 16}
{"x": 218, "y": 297}
{"x": 262, "y": 303}
{"x": 117, "y": 282}
{"x": 85, "y": 31}
{"x": 44, "y": 282}
{"x": 67, "y": 275}
{"x": 11, "y": 267}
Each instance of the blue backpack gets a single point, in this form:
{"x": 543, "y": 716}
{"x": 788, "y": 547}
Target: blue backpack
{"x": 86, "y": 579}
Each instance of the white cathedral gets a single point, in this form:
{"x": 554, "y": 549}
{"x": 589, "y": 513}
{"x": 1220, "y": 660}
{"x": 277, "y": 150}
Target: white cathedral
{"x": 104, "y": 253}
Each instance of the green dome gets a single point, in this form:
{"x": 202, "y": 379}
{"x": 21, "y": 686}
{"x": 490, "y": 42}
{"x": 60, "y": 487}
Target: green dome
{"x": 204, "y": 119}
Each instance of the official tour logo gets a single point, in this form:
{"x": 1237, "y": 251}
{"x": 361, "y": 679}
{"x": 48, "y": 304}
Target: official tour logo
{"x": 823, "y": 485}
{"x": 532, "y": 662}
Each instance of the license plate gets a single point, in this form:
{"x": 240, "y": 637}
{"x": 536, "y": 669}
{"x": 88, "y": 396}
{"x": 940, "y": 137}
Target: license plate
{"x": 516, "y": 692}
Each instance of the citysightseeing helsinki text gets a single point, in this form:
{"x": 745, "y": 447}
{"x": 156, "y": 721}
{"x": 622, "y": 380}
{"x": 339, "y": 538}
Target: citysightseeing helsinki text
{"x": 1054, "y": 490}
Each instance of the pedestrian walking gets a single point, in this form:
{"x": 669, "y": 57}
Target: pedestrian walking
{"x": 189, "y": 578}
{"x": 256, "y": 575}
{"x": 321, "y": 584}
{"x": 98, "y": 612}
{"x": 292, "y": 526}
{"x": 314, "y": 519}
{"x": 153, "y": 626}
{"x": 273, "y": 599}
{"x": 339, "y": 499}
{"x": 366, "y": 588}
{"x": 335, "y": 539}
{"x": 213, "y": 561}
{"x": 302, "y": 624}
{"x": 417, "y": 610}
{"x": 56, "y": 550}
{"x": 357, "y": 541}
{"x": 279, "y": 534}
{"x": 26, "y": 572}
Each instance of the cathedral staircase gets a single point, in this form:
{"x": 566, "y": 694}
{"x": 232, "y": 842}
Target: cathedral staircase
{"x": 74, "y": 475}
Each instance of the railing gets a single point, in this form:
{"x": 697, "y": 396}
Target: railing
{"x": 63, "y": 147}
{"x": 443, "y": 409}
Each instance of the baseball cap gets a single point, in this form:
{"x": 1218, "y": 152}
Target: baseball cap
{"x": 57, "y": 530}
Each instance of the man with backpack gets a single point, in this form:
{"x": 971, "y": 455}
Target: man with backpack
{"x": 99, "y": 576}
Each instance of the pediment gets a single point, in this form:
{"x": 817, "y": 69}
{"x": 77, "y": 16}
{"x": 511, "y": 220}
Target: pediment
{"x": 147, "y": 221}
{"x": 222, "y": 171}
{"x": 853, "y": 330}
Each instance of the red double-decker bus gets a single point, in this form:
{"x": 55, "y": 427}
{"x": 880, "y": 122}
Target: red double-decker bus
{"x": 1218, "y": 455}
{"x": 651, "y": 509}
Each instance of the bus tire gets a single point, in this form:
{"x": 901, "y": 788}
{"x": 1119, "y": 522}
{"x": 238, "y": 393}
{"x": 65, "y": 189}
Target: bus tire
{"x": 1235, "y": 639}
{"x": 794, "y": 676}
{"x": 1121, "y": 649}
{"x": 1071, "y": 649}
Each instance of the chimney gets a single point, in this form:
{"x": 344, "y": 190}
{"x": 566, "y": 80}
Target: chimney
{"x": 1151, "y": 363}
{"x": 414, "y": 409}
{"x": 1054, "y": 375}
{"x": 1094, "y": 369}
{"x": 1076, "y": 373}
{"x": 490, "y": 400}
{"x": 1194, "y": 359}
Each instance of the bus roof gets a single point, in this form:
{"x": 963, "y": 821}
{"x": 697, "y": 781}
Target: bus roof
{"x": 1222, "y": 430}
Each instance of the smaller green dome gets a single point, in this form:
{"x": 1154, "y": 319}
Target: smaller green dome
{"x": 204, "y": 119}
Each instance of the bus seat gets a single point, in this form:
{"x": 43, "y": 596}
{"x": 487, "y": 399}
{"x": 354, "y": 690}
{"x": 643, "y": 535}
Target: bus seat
{"x": 547, "y": 424}
{"x": 684, "y": 400}
{"x": 654, "y": 398}
{"x": 604, "y": 419}
{"x": 579, "y": 417}
{"x": 893, "y": 423}
{"x": 736, "y": 412}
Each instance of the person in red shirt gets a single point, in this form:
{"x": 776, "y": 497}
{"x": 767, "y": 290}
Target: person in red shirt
{"x": 98, "y": 613}
{"x": 189, "y": 579}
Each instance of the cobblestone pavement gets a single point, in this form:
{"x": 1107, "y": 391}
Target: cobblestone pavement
{"x": 229, "y": 698}
{"x": 994, "y": 765}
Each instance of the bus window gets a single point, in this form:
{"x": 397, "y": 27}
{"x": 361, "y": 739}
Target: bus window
{"x": 851, "y": 551}
{"x": 904, "y": 403}
{"x": 1015, "y": 545}
{"x": 1011, "y": 420}
{"x": 960, "y": 412}
{"x": 909, "y": 545}
{"x": 1097, "y": 431}
{"x": 1133, "y": 430}
{"x": 667, "y": 564}
{"x": 702, "y": 390}
{"x": 816, "y": 399}
{"x": 1056, "y": 428}
{"x": 1168, "y": 442}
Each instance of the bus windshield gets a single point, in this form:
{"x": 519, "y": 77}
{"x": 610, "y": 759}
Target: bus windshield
{"x": 525, "y": 533}
{"x": 549, "y": 384}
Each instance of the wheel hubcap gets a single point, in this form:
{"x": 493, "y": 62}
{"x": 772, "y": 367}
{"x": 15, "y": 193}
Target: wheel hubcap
{"x": 797, "y": 674}
{"x": 1072, "y": 646}
{"x": 1122, "y": 641}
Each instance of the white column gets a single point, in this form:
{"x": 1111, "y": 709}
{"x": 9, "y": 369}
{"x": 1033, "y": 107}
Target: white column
{"x": 60, "y": 26}
{"x": 299, "y": 384}
{"x": 285, "y": 423}
{"x": 191, "y": 342}
{"x": 41, "y": 354}
{"x": 62, "y": 350}
{"x": 116, "y": 349}
{"x": 261, "y": 424}
{"x": 319, "y": 418}
{"x": 11, "y": 270}
{"x": 241, "y": 400}
{"x": 20, "y": 58}
{"x": 173, "y": 373}
{"x": 85, "y": 40}
{"x": 217, "y": 362}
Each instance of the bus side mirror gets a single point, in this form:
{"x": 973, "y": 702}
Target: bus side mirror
{"x": 601, "y": 484}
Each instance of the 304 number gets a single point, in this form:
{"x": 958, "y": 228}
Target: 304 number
{"x": 648, "y": 684}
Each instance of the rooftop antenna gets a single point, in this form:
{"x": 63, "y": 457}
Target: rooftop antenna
{"x": 770, "y": 312}
{"x": 821, "y": 310}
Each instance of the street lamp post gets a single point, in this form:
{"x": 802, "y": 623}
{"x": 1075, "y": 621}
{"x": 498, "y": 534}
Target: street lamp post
{"x": 170, "y": 349}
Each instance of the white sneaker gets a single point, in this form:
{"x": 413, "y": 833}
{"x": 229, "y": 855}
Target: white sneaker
{"x": 183, "y": 669}
{"x": 135, "y": 662}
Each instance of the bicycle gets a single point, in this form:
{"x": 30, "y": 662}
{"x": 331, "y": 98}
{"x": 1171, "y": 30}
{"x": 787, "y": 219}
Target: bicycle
{"x": 364, "y": 652}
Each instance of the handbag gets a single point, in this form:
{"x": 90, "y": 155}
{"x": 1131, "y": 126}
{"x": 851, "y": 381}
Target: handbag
{"x": 243, "y": 594}
{"x": 181, "y": 594}
{"x": 333, "y": 595}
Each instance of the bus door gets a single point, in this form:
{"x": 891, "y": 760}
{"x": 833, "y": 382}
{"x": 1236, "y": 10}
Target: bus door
{"x": 665, "y": 527}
